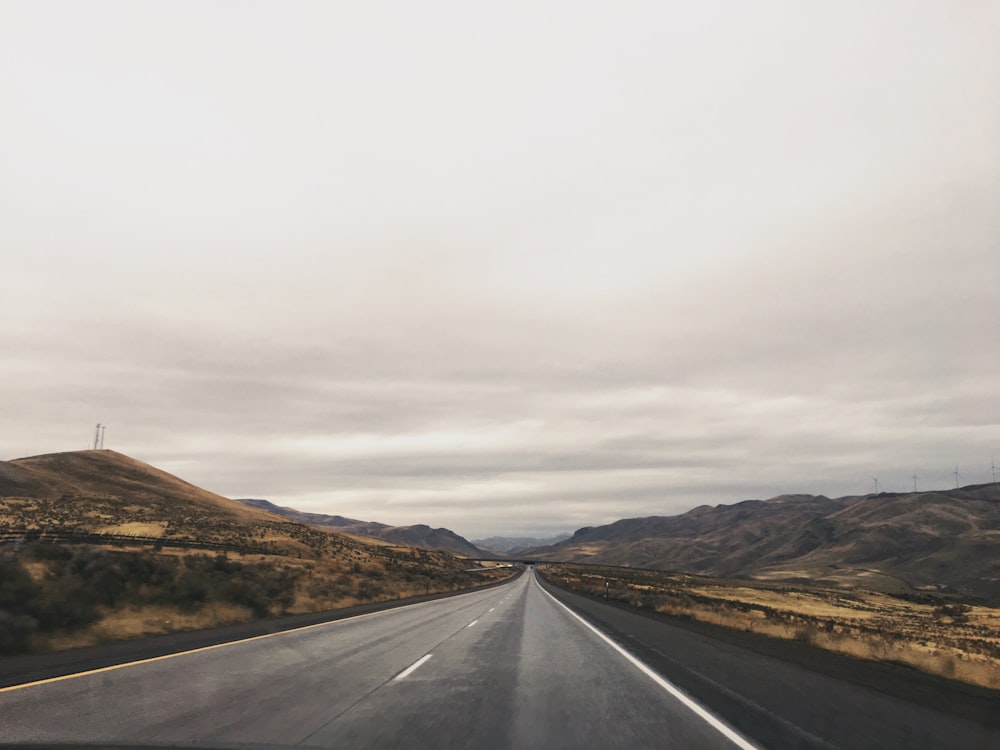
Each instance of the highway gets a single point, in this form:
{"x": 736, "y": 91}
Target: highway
{"x": 507, "y": 667}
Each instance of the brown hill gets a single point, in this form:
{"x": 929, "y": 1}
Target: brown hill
{"x": 945, "y": 540}
{"x": 106, "y": 492}
{"x": 101, "y": 546}
{"x": 106, "y": 473}
{"x": 419, "y": 535}
{"x": 103, "y": 492}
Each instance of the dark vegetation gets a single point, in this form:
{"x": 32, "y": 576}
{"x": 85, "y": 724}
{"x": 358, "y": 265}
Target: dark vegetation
{"x": 80, "y": 582}
{"x": 49, "y": 590}
{"x": 96, "y": 546}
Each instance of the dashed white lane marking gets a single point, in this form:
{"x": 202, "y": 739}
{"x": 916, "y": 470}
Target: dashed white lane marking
{"x": 472, "y": 623}
{"x": 164, "y": 657}
{"x": 412, "y": 668}
{"x": 715, "y": 722}
{"x": 490, "y": 610}
{"x": 174, "y": 655}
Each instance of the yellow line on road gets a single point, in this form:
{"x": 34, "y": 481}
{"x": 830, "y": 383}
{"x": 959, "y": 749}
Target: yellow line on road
{"x": 182, "y": 653}
{"x": 209, "y": 648}
{"x": 227, "y": 643}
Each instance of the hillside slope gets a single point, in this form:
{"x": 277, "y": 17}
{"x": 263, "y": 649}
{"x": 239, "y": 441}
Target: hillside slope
{"x": 105, "y": 473}
{"x": 96, "y": 546}
{"x": 944, "y": 540}
{"x": 419, "y": 535}
{"x": 107, "y": 493}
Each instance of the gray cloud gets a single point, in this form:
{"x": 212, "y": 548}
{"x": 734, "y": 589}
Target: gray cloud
{"x": 610, "y": 264}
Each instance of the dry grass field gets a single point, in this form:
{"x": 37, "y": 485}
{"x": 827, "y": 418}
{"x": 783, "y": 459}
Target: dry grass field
{"x": 163, "y": 555}
{"x": 81, "y": 595}
{"x": 940, "y": 635}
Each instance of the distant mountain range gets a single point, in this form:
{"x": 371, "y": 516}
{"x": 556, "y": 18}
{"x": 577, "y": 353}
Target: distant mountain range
{"x": 943, "y": 540}
{"x": 419, "y": 535}
{"x": 106, "y": 493}
{"x": 110, "y": 493}
{"x": 511, "y": 545}
{"x": 946, "y": 540}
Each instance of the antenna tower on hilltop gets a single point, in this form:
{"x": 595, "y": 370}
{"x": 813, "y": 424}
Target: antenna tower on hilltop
{"x": 914, "y": 478}
{"x": 955, "y": 474}
{"x": 993, "y": 467}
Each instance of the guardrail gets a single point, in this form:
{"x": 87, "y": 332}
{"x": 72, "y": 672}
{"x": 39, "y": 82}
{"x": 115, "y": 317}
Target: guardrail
{"x": 79, "y": 536}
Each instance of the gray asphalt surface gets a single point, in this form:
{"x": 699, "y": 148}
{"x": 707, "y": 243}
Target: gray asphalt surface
{"x": 507, "y": 667}
{"x": 782, "y": 704}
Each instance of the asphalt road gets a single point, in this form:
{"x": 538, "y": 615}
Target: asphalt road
{"x": 508, "y": 667}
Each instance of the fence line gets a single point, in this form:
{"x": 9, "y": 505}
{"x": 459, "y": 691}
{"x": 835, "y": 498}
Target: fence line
{"x": 76, "y": 536}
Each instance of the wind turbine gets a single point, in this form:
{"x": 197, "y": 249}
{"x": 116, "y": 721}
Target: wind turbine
{"x": 955, "y": 474}
{"x": 993, "y": 466}
{"x": 914, "y": 478}
{"x": 875, "y": 479}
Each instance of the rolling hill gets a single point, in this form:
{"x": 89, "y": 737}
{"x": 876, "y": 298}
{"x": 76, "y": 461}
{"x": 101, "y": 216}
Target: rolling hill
{"x": 105, "y": 492}
{"x": 943, "y": 540}
{"x": 95, "y": 546}
{"x": 108, "y": 492}
{"x": 419, "y": 535}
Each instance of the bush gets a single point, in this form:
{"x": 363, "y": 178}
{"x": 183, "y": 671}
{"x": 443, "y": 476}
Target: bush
{"x": 957, "y": 613}
{"x": 18, "y": 597}
{"x": 15, "y": 632}
{"x": 81, "y": 580}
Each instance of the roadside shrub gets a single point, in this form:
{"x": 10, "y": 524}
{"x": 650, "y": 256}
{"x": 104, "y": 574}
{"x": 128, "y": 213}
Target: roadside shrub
{"x": 62, "y": 601}
{"x": 367, "y": 590}
{"x": 18, "y": 595}
{"x": 80, "y": 581}
{"x": 16, "y": 586}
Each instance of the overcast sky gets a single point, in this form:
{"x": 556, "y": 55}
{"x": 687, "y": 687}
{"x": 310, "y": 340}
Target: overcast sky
{"x": 510, "y": 267}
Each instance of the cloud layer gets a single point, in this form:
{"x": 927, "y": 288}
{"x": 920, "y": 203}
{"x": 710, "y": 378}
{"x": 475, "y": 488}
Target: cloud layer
{"x": 507, "y": 271}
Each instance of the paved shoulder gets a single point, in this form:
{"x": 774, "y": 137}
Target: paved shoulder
{"x": 778, "y": 703}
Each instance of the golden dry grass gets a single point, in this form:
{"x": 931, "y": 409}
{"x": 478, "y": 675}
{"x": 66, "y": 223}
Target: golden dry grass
{"x": 318, "y": 586}
{"x": 104, "y": 492}
{"x": 864, "y": 624}
{"x": 151, "y": 619}
{"x": 135, "y": 528}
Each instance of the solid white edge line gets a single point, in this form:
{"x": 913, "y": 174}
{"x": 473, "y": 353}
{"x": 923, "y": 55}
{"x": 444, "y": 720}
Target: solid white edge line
{"x": 412, "y": 668}
{"x": 714, "y": 721}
